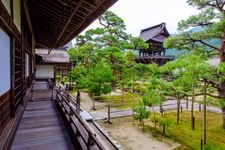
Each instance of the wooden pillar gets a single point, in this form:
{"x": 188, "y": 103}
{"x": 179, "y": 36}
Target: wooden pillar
{"x": 22, "y": 51}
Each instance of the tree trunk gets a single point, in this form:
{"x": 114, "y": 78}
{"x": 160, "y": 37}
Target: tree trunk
{"x": 178, "y": 110}
{"x": 221, "y": 89}
{"x": 154, "y": 117}
{"x": 93, "y": 100}
{"x": 122, "y": 89}
{"x": 113, "y": 85}
{"x": 223, "y": 114}
{"x": 221, "y": 93}
{"x": 143, "y": 123}
{"x": 164, "y": 129}
{"x": 222, "y": 48}
{"x": 187, "y": 102}
{"x": 113, "y": 65}
{"x": 204, "y": 114}
{"x": 192, "y": 107}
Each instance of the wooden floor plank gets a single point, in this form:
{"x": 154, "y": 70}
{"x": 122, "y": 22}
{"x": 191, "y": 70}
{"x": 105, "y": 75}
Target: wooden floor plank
{"x": 42, "y": 128}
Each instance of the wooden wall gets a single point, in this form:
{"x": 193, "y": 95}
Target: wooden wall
{"x": 21, "y": 43}
{"x": 4, "y": 110}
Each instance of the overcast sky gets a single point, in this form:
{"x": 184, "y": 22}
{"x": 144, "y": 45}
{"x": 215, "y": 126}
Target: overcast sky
{"x": 140, "y": 14}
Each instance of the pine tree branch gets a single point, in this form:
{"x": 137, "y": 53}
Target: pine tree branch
{"x": 209, "y": 45}
{"x": 212, "y": 83}
{"x": 216, "y": 6}
{"x": 223, "y": 5}
{"x": 214, "y": 96}
{"x": 220, "y": 5}
{"x": 101, "y": 23}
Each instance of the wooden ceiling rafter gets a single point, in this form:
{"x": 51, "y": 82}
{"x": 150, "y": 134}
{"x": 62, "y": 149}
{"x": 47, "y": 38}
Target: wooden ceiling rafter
{"x": 66, "y": 39}
{"x": 88, "y": 4}
{"x": 26, "y": 10}
{"x": 56, "y": 22}
{"x": 61, "y": 23}
{"x": 44, "y": 8}
{"x": 68, "y": 21}
{"x": 43, "y": 13}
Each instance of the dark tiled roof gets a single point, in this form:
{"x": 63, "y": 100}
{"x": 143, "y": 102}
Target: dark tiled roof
{"x": 55, "y": 56}
{"x": 157, "y": 33}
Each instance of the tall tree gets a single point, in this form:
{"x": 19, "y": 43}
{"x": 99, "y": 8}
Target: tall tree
{"x": 212, "y": 19}
{"x": 140, "y": 112}
{"x": 98, "y": 78}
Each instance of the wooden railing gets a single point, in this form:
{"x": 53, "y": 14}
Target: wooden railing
{"x": 70, "y": 109}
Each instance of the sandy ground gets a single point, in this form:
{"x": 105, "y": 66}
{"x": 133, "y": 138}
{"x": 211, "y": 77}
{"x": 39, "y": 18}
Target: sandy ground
{"x": 131, "y": 137}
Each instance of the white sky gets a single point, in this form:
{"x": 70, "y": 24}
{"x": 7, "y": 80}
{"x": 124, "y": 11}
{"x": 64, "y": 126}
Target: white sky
{"x": 140, "y": 14}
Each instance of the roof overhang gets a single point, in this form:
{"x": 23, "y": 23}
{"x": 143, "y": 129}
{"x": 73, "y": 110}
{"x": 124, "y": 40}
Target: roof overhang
{"x": 56, "y": 22}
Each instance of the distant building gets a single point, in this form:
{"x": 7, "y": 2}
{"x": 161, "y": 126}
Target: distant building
{"x": 48, "y": 65}
{"x": 156, "y": 53}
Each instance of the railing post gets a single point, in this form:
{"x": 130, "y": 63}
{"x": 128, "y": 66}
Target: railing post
{"x": 109, "y": 117}
{"x": 78, "y": 103}
{"x": 90, "y": 139}
{"x": 52, "y": 91}
{"x": 32, "y": 90}
{"x": 71, "y": 114}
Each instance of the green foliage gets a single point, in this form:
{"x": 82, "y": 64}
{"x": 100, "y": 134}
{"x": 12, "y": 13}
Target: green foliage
{"x": 108, "y": 43}
{"x": 209, "y": 146}
{"x": 203, "y": 18}
{"x": 58, "y": 78}
{"x": 78, "y": 74}
{"x": 140, "y": 112}
{"x": 65, "y": 78}
{"x": 162, "y": 120}
{"x": 98, "y": 79}
{"x": 138, "y": 43}
{"x": 210, "y": 18}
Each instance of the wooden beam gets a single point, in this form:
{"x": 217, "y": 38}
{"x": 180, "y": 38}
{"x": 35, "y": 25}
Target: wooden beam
{"x": 27, "y": 14}
{"x": 68, "y": 21}
{"x": 84, "y": 22}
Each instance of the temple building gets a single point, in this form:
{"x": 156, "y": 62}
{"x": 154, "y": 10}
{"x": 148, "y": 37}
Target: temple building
{"x": 25, "y": 121}
{"x": 48, "y": 66}
{"x": 156, "y": 53}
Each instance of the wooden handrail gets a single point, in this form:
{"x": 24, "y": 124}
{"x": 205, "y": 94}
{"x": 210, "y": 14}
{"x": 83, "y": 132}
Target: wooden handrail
{"x": 82, "y": 132}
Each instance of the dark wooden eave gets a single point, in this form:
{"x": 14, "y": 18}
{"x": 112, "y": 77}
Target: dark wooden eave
{"x": 56, "y": 22}
{"x": 157, "y": 33}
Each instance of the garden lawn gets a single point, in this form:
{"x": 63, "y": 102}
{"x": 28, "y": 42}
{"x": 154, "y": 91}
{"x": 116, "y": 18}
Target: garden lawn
{"x": 183, "y": 133}
{"x": 116, "y": 100}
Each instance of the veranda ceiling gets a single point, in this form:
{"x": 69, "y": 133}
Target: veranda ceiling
{"x": 56, "y": 22}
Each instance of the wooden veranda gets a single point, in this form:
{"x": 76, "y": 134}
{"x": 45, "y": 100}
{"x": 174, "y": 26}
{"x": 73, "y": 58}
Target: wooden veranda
{"x": 51, "y": 121}
{"x": 26, "y": 25}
